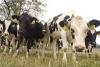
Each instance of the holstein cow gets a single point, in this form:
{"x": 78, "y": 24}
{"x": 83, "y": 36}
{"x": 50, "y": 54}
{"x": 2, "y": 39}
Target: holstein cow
{"x": 31, "y": 30}
{"x": 59, "y": 31}
{"x": 10, "y": 33}
{"x": 79, "y": 29}
{"x": 90, "y": 39}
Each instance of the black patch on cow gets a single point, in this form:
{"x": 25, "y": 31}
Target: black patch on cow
{"x": 59, "y": 44}
{"x": 3, "y": 24}
{"x": 66, "y": 18}
{"x": 15, "y": 17}
{"x": 64, "y": 22}
{"x": 13, "y": 28}
{"x": 61, "y": 23}
{"x": 55, "y": 19}
{"x": 94, "y": 22}
{"x": 53, "y": 27}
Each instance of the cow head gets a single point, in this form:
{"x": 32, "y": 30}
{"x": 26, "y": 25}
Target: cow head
{"x": 13, "y": 22}
{"x": 79, "y": 29}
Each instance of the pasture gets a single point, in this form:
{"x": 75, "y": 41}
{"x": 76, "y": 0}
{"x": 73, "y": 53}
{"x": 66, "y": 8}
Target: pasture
{"x": 36, "y": 60}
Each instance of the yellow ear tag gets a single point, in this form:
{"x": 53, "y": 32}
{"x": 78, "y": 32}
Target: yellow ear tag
{"x": 92, "y": 27}
{"x": 33, "y": 22}
{"x": 65, "y": 28}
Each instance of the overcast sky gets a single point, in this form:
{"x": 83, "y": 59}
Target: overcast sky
{"x": 88, "y": 9}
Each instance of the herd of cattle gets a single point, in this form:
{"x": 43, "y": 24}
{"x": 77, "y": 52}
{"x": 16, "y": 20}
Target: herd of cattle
{"x": 62, "y": 31}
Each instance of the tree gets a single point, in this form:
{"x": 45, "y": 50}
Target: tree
{"x": 10, "y": 7}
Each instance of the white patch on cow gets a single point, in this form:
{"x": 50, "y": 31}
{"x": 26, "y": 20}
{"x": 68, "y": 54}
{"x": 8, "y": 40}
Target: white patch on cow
{"x": 64, "y": 39}
{"x": 92, "y": 31}
{"x": 7, "y": 24}
{"x": 17, "y": 26}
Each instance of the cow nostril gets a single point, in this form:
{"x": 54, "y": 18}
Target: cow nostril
{"x": 79, "y": 48}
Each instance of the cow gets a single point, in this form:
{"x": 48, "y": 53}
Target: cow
{"x": 79, "y": 30}
{"x": 92, "y": 33}
{"x": 90, "y": 40}
{"x": 10, "y": 33}
{"x": 31, "y": 30}
{"x": 59, "y": 32}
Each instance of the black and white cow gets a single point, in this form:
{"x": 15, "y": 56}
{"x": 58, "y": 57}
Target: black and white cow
{"x": 79, "y": 29}
{"x": 31, "y": 30}
{"x": 59, "y": 32}
{"x": 10, "y": 33}
{"x": 90, "y": 40}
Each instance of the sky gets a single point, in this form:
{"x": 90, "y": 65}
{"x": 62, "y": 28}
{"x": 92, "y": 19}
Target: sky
{"x": 88, "y": 9}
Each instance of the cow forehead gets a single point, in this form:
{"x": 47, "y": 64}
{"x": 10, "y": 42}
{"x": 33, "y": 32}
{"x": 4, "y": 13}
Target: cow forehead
{"x": 79, "y": 26}
{"x": 7, "y": 23}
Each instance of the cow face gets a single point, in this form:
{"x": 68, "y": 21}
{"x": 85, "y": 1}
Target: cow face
{"x": 11, "y": 25}
{"x": 79, "y": 28}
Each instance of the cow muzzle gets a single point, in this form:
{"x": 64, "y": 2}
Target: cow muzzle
{"x": 79, "y": 48}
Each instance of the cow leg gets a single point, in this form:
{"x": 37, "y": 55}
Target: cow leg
{"x": 88, "y": 50}
{"x": 6, "y": 46}
{"x": 29, "y": 45}
{"x": 65, "y": 45}
{"x": 54, "y": 49}
{"x": 19, "y": 40}
{"x": 11, "y": 44}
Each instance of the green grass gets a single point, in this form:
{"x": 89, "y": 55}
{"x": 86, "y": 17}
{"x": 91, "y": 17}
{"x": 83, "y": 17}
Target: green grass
{"x": 35, "y": 60}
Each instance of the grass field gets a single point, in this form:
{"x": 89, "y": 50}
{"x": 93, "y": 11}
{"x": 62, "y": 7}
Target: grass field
{"x": 35, "y": 60}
